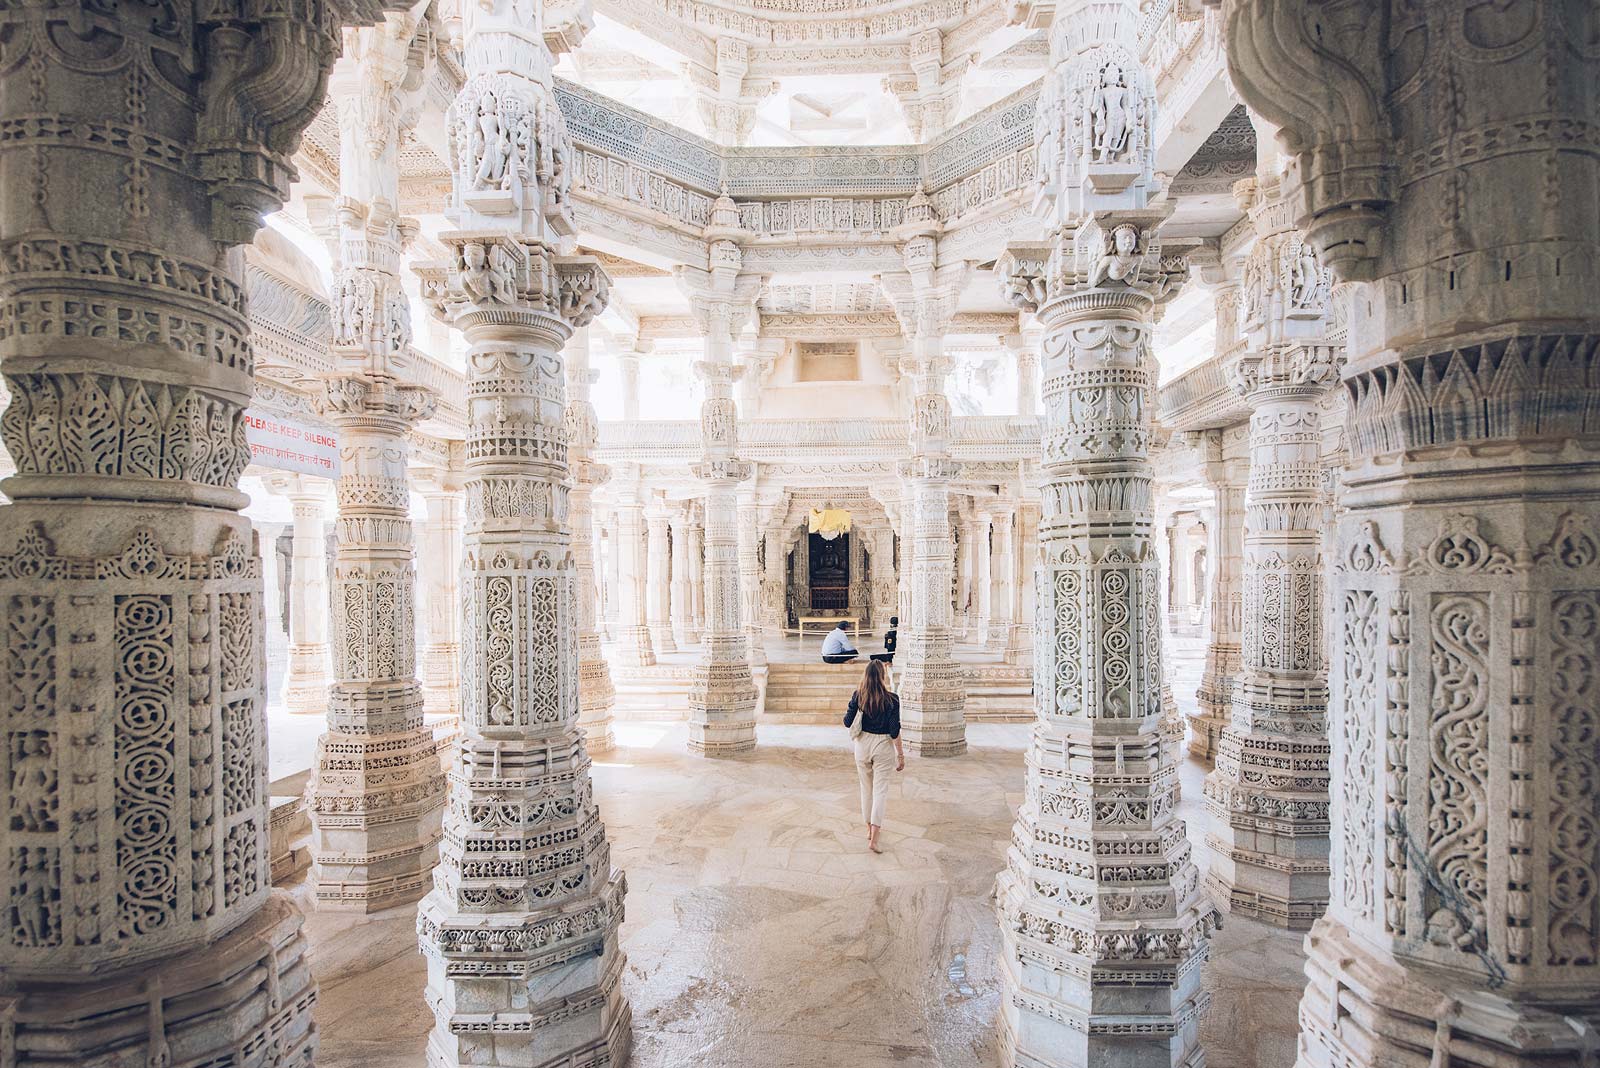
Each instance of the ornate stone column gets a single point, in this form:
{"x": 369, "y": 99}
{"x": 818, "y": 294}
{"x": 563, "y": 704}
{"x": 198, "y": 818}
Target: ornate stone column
{"x": 1020, "y": 651}
{"x": 722, "y": 695}
{"x": 377, "y": 790}
{"x": 628, "y": 362}
{"x": 962, "y": 580}
{"x": 658, "y": 587}
{"x": 749, "y": 514}
{"x": 885, "y": 583}
{"x": 1024, "y": 348}
{"x": 1101, "y": 955}
{"x": 520, "y": 930}
{"x": 634, "y": 647}
{"x": 932, "y": 685}
{"x": 1002, "y": 603}
{"x": 1269, "y": 793}
{"x": 305, "y": 687}
{"x": 141, "y": 146}
{"x": 1463, "y": 927}
{"x": 596, "y": 695}
{"x": 982, "y": 577}
{"x": 772, "y": 583}
{"x": 613, "y": 582}
{"x": 441, "y": 572}
{"x": 697, "y": 572}
{"x": 682, "y": 585}
{"x": 1215, "y": 692}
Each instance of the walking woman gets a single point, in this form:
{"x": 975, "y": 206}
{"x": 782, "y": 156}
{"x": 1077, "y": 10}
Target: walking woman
{"x": 874, "y": 721}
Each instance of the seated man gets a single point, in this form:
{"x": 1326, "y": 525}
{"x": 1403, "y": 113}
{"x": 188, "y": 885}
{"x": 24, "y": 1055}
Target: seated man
{"x": 836, "y": 647}
{"x": 890, "y": 639}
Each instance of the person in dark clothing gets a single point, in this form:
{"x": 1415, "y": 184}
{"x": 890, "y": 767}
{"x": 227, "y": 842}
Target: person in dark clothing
{"x": 890, "y": 639}
{"x": 873, "y": 717}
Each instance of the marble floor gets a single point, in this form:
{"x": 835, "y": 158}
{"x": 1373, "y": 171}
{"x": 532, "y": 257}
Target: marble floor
{"x": 762, "y": 934}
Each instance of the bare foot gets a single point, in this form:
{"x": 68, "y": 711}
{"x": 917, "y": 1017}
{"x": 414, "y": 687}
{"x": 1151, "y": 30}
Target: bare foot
{"x": 874, "y": 847}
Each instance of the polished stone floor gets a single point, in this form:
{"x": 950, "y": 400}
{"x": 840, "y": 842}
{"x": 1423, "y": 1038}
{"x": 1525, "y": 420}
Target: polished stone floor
{"x": 762, "y": 934}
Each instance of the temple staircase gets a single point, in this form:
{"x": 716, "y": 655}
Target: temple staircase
{"x": 810, "y": 693}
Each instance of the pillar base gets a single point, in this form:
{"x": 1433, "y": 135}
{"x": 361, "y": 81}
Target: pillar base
{"x": 306, "y": 681}
{"x": 932, "y": 695}
{"x": 1363, "y": 1009}
{"x": 246, "y": 998}
{"x": 596, "y": 698}
{"x": 661, "y": 640}
{"x": 1205, "y": 736}
{"x": 1134, "y": 1007}
{"x": 722, "y": 709}
{"x": 634, "y": 648}
{"x": 441, "y": 679}
{"x": 377, "y": 805}
{"x": 561, "y": 969}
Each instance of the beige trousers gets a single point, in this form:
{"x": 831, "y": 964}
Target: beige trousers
{"x": 874, "y": 765}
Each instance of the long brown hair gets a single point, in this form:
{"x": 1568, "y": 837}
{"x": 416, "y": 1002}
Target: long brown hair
{"x": 872, "y": 695}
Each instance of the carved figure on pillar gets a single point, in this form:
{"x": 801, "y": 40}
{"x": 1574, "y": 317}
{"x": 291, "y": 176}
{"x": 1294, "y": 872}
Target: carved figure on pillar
{"x": 520, "y": 930}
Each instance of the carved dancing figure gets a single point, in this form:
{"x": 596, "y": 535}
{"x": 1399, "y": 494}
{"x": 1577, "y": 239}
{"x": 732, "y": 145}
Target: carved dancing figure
{"x": 33, "y": 783}
{"x": 502, "y": 275}
{"x": 475, "y": 280}
{"x": 492, "y": 142}
{"x": 1110, "y": 113}
{"x": 32, "y": 896}
{"x": 1305, "y": 278}
{"x": 1119, "y": 262}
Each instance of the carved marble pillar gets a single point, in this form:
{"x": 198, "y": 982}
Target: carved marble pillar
{"x": 377, "y": 790}
{"x": 962, "y": 580}
{"x": 982, "y": 578}
{"x": 931, "y": 684}
{"x": 1463, "y": 926}
{"x": 658, "y": 586}
{"x": 520, "y": 930}
{"x": 440, "y": 556}
{"x": 305, "y": 687}
{"x": 772, "y": 582}
{"x": 1101, "y": 956}
{"x": 1027, "y": 357}
{"x": 1215, "y": 692}
{"x": 1020, "y": 648}
{"x": 142, "y": 146}
{"x": 628, "y": 364}
{"x": 687, "y": 634}
{"x": 596, "y": 695}
{"x": 859, "y": 594}
{"x": 697, "y": 571}
{"x": 722, "y": 694}
{"x": 885, "y": 583}
{"x": 750, "y": 574}
{"x": 613, "y": 571}
{"x": 1002, "y": 605}
{"x": 634, "y": 647}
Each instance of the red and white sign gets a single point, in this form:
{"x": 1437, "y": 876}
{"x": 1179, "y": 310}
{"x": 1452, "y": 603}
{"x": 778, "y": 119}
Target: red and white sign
{"x": 285, "y": 444}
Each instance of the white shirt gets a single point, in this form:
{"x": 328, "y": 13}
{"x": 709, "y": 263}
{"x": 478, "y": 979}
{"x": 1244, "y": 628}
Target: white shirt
{"x": 836, "y": 642}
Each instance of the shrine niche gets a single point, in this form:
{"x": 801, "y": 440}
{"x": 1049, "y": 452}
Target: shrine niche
{"x": 829, "y": 573}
